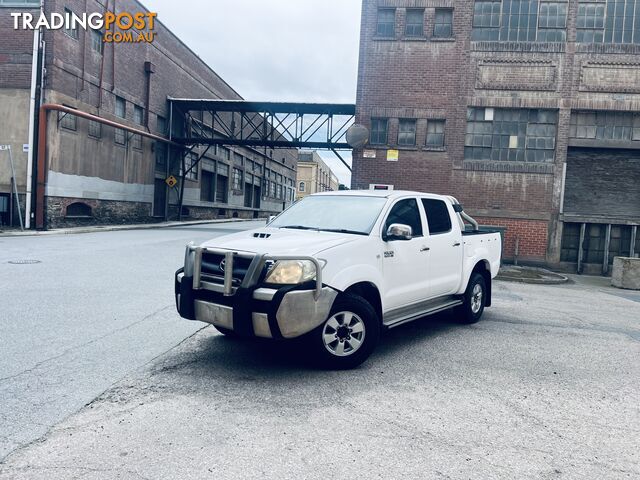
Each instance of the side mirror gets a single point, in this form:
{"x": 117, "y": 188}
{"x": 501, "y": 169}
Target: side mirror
{"x": 398, "y": 231}
{"x": 271, "y": 218}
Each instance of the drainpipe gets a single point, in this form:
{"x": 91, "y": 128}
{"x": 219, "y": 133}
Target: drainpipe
{"x": 32, "y": 114}
{"x": 42, "y": 149}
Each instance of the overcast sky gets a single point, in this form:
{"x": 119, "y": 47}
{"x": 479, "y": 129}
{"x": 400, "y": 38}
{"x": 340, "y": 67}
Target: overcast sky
{"x": 274, "y": 50}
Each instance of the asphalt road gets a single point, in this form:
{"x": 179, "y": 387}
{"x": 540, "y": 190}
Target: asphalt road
{"x": 544, "y": 387}
{"x": 96, "y": 307}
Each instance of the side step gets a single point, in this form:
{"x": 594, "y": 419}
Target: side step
{"x": 403, "y": 315}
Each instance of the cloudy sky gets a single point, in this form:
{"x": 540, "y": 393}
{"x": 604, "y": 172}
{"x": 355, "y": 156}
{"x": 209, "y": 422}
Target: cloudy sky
{"x": 274, "y": 50}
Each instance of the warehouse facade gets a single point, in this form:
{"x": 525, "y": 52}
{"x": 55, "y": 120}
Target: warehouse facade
{"x": 528, "y": 111}
{"x": 99, "y": 174}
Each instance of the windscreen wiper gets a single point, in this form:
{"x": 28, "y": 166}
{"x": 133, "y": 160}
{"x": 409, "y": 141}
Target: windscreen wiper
{"x": 300, "y": 227}
{"x": 343, "y": 230}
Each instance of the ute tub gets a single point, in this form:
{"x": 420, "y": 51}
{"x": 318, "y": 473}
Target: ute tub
{"x": 245, "y": 307}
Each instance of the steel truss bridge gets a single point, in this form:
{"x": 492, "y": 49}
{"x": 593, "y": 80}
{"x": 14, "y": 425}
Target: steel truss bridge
{"x": 206, "y": 122}
{"x": 260, "y": 124}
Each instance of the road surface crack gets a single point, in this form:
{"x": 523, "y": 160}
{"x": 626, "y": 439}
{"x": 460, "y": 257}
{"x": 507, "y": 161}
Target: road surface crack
{"x": 82, "y": 345}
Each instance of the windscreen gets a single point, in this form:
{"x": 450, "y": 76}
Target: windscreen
{"x": 338, "y": 213}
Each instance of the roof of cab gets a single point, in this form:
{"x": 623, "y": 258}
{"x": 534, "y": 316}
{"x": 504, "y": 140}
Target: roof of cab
{"x": 381, "y": 193}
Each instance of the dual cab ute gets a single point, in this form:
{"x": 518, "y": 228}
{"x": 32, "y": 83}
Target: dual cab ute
{"x": 337, "y": 268}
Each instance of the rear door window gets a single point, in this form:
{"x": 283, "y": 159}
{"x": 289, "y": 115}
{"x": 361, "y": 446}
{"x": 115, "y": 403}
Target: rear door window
{"x": 438, "y": 217}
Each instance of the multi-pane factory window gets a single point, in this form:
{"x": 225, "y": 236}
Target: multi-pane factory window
{"x": 590, "y": 22}
{"x": 95, "y": 129}
{"x": 138, "y": 114}
{"x": 515, "y": 135}
{"x": 67, "y": 120}
{"x": 237, "y": 179}
{"x": 414, "y": 26}
{"x": 72, "y": 32}
{"x": 120, "y": 136}
{"x": 161, "y": 125}
{"x": 191, "y": 167}
{"x": 138, "y": 117}
{"x": 161, "y": 157}
{"x": 379, "y": 131}
{"x": 435, "y": 134}
{"x": 520, "y": 21}
{"x": 570, "y": 242}
{"x": 443, "y": 26}
{"x": 96, "y": 41}
{"x": 608, "y": 21}
{"x": 224, "y": 152}
{"x": 407, "y": 132}
{"x": 605, "y": 125}
{"x": 552, "y": 22}
{"x": 121, "y": 107}
{"x": 486, "y": 20}
{"x": 595, "y": 242}
{"x": 19, "y": 3}
{"x": 619, "y": 242}
{"x": 120, "y": 111}
{"x": 386, "y": 26}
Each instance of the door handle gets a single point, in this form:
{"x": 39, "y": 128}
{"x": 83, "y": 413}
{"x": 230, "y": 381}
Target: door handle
{"x": 457, "y": 244}
{"x": 425, "y": 249}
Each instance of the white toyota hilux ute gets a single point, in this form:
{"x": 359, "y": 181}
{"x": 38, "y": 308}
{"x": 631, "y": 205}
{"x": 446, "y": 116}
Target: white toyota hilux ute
{"x": 338, "y": 268}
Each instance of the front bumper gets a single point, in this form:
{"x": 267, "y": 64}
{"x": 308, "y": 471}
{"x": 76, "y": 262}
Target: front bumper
{"x": 286, "y": 312}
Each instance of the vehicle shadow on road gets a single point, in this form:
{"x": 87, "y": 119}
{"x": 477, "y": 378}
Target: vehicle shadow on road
{"x": 216, "y": 356}
{"x": 418, "y": 333}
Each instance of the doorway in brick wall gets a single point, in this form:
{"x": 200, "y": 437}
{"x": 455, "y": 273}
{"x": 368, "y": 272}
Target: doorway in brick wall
{"x": 159, "y": 197}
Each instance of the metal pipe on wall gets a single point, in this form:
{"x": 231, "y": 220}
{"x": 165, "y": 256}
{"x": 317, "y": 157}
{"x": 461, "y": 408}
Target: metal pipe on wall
{"x": 42, "y": 149}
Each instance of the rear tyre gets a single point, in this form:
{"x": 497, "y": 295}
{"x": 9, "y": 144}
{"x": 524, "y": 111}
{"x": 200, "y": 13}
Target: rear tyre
{"x": 348, "y": 336}
{"x": 474, "y": 300}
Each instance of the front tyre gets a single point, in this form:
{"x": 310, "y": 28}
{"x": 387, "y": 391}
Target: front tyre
{"x": 348, "y": 336}
{"x": 474, "y": 299}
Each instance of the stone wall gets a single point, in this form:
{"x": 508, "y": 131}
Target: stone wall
{"x": 103, "y": 212}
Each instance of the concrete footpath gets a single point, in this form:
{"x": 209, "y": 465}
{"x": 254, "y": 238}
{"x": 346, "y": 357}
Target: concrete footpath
{"x": 113, "y": 228}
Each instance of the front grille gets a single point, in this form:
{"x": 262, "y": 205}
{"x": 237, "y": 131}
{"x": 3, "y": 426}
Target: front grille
{"x": 212, "y": 267}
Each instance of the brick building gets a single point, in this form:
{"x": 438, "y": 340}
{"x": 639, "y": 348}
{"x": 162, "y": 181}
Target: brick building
{"x": 526, "y": 110}
{"x": 100, "y": 174}
{"x": 314, "y": 175}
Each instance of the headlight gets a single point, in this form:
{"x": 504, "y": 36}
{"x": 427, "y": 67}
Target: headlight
{"x": 291, "y": 272}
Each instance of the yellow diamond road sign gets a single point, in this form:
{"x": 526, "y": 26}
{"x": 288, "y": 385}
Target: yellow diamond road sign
{"x": 171, "y": 181}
